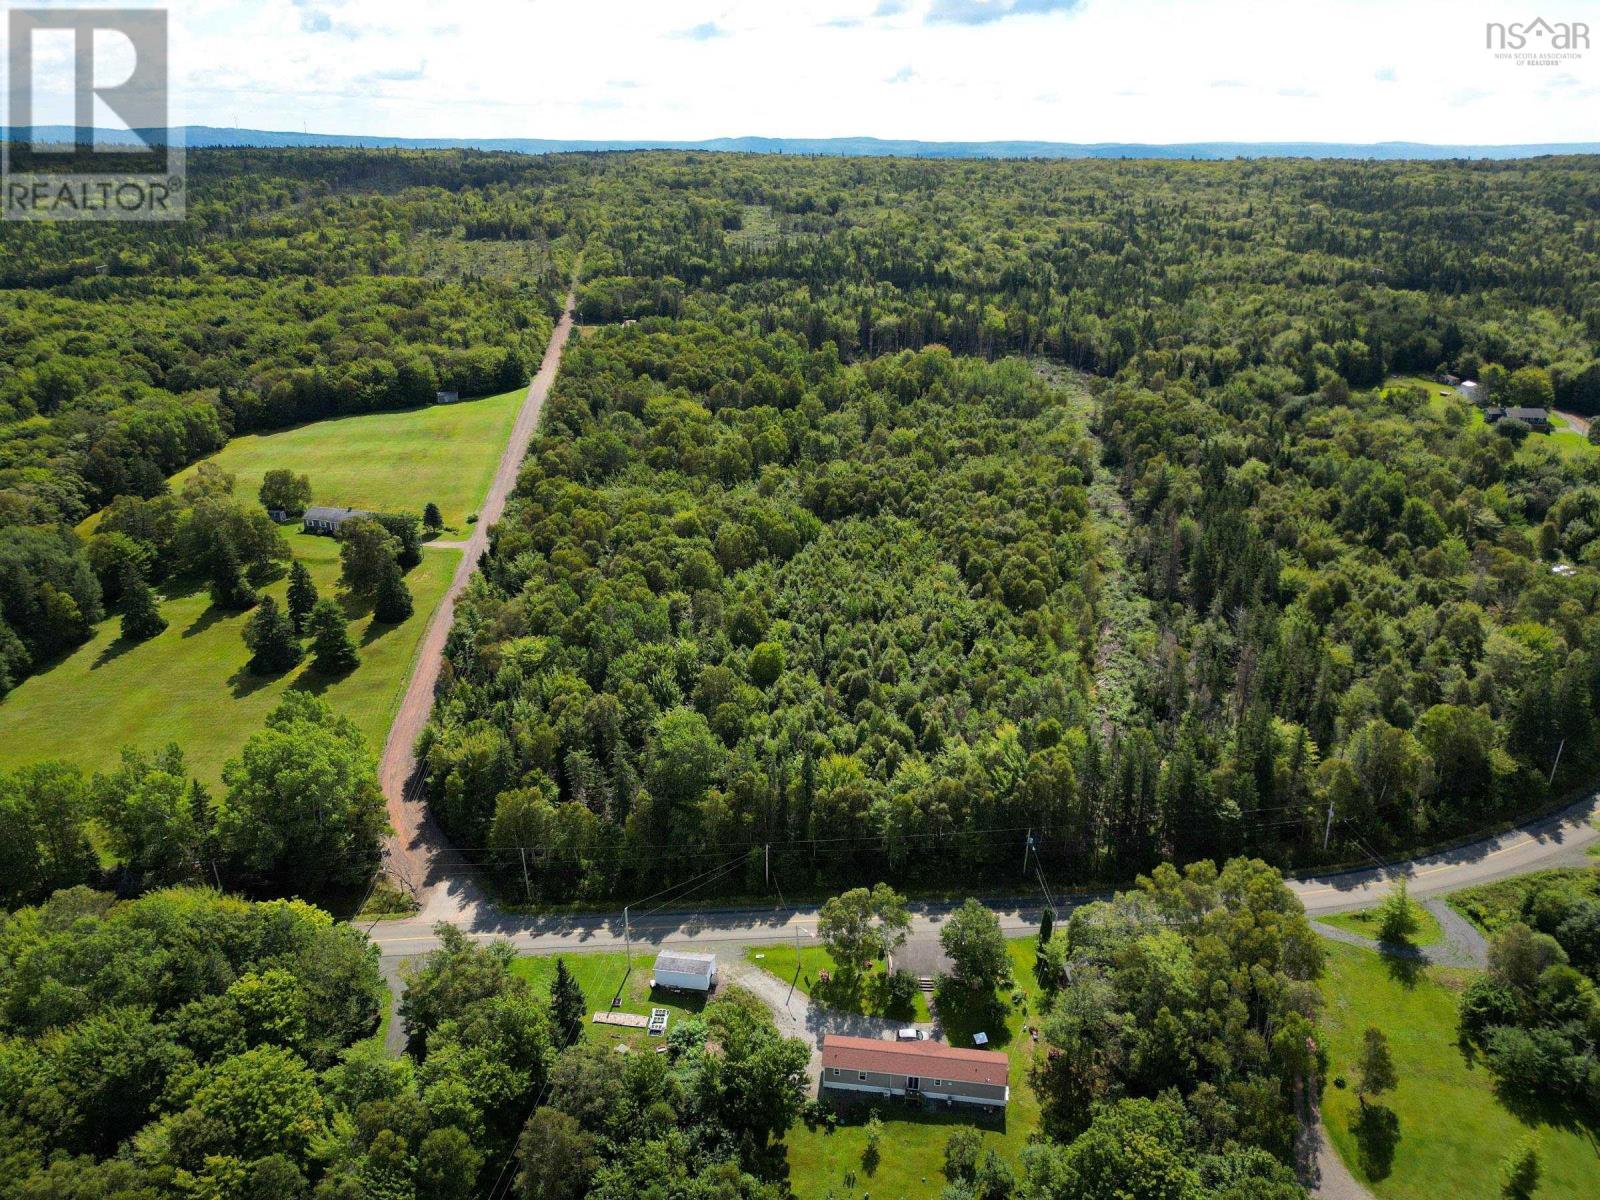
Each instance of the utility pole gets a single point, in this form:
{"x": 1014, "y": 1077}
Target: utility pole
{"x": 766, "y": 864}
{"x": 526, "y": 886}
{"x": 1027, "y": 845}
{"x": 1557, "y": 762}
{"x": 1327, "y": 830}
{"x": 627, "y": 940}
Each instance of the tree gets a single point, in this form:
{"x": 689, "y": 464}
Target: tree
{"x": 977, "y": 949}
{"x": 228, "y": 587}
{"x": 1397, "y": 916}
{"x": 392, "y": 602}
{"x": 274, "y": 648}
{"x": 431, "y": 517}
{"x": 44, "y": 841}
{"x": 282, "y": 489}
{"x": 403, "y": 527}
{"x": 333, "y": 653}
{"x": 568, "y": 1008}
{"x": 1519, "y": 1170}
{"x": 863, "y": 926}
{"x": 141, "y": 619}
{"x": 556, "y": 1157}
{"x": 1375, "y": 1068}
{"x": 366, "y": 551}
{"x": 302, "y": 597}
{"x": 961, "y": 1154}
{"x": 302, "y": 801}
{"x": 1529, "y": 387}
{"x": 147, "y": 811}
{"x": 1047, "y": 924}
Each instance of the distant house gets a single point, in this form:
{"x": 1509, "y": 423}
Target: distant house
{"x": 918, "y": 1070}
{"x": 1533, "y": 418}
{"x": 277, "y": 515}
{"x": 1471, "y": 390}
{"x": 446, "y": 397}
{"x": 1450, "y": 380}
{"x": 327, "y": 520}
{"x": 685, "y": 972}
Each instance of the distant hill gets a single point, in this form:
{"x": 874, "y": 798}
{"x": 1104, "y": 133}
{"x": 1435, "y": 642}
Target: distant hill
{"x": 196, "y": 136}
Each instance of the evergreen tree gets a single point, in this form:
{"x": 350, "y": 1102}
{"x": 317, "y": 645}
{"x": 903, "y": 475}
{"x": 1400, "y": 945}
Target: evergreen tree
{"x": 1047, "y": 925}
{"x": 431, "y": 517}
{"x": 1376, "y": 1066}
{"x": 228, "y": 587}
{"x": 567, "y": 1005}
{"x": 333, "y": 653}
{"x": 271, "y": 638}
{"x": 392, "y": 603}
{"x": 141, "y": 619}
{"x": 302, "y": 595}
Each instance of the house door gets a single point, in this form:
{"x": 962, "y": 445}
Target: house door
{"x": 913, "y": 1083}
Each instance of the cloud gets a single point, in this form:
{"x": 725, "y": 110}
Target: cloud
{"x": 400, "y": 74}
{"x": 842, "y": 23}
{"x": 986, "y": 12}
{"x": 889, "y": 8}
{"x": 315, "y": 21}
{"x": 703, "y": 32}
{"x": 1468, "y": 96}
{"x": 1385, "y": 75}
{"x": 1297, "y": 93}
{"x": 1225, "y": 83}
{"x": 903, "y": 75}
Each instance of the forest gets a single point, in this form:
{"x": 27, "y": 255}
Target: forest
{"x": 806, "y": 557}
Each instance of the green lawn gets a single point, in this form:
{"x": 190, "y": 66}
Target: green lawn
{"x": 911, "y": 1153}
{"x": 189, "y": 683}
{"x": 389, "y": 462}
{"x": 1365, "y": 922}
{"x": 1452, "y": 1130}
{"x": 604, "y": 976}
{"x": 867, "y": 997}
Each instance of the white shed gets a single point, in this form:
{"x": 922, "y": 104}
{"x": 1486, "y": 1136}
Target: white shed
{"x": 686, "y": 972}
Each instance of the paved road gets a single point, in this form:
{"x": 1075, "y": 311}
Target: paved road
{"x": 411, "y": 853}
{"x": 1562, "y": 839}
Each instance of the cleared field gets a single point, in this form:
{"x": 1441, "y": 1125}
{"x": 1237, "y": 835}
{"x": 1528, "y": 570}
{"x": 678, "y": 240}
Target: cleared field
{"x": 824, "y": 1162}
{"x": 389, "y": 462}
{"x": 189, "y": 684}
{"x": 1452, "y": 1129}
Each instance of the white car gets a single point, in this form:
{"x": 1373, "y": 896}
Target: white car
{"x": 911, "y": 1035}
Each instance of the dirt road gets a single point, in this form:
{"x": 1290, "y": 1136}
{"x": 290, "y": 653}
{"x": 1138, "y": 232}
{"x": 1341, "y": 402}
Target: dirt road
{"x": 410, "y": 854}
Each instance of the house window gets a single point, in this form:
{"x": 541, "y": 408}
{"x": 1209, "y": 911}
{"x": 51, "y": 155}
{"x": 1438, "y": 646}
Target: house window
{"x": 863, "y": 1076}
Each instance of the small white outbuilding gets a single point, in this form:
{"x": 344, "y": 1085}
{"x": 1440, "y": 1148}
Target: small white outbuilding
{"x": 685, "y": 972}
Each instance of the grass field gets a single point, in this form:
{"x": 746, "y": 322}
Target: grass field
{"x": 911, "y": 1153}
{"x": 1453, "y": 1132}
{"x": 867, "y": 999}
{"x": 189, "y": 684}
{"x": 388, "y": 462}
{"x": 1493, "y": 906}
{"x": 602, "y": 977}
{"x": 1365, "y": 922}
{"x": 1563, "y": 439}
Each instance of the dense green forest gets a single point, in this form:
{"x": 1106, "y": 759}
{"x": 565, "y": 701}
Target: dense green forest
{"x": 793, "y": 566}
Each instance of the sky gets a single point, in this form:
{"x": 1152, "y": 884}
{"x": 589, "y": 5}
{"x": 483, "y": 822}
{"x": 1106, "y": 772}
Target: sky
{"x": 1058, "y": 70}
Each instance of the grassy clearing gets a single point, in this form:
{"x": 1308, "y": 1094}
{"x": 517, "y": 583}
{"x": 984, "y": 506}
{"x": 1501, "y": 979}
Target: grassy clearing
{"x": 388, "y": 462}
{"x": 189, "y": 684}
{"x": 1365, "y": 923}
{"x": 604, "y": 977}
{"x": 1493, "y": 906}
{"x": 866, "y": 997}
{"x": 1452, "y": 1129}
{"x": 911, "y": 1154}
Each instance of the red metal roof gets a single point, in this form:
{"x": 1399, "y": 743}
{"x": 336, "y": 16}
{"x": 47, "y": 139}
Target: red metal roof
{"x": 931, "y": 1060}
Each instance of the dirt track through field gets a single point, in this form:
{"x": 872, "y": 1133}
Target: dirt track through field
{"x": 411, "y": 852}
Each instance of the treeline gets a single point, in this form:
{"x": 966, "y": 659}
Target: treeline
{"x": 301, "y": 286}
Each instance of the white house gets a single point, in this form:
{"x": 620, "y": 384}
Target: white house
{"x": 685, "y": 972}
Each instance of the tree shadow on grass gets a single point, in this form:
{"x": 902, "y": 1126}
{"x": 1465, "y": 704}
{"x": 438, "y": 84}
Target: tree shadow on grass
{"x": 375, "y": 629}
{"x": 865, "y": 993}
{"x": 1376, "y": 1129}
{"x": 245, "y": 682}
{"x": 316, "y": 682}
{"x": 113, "y": 651}
{"x": 1404, "y": 963}
{"x": 208, "y": 617}
{"x": 963, "y": 1012}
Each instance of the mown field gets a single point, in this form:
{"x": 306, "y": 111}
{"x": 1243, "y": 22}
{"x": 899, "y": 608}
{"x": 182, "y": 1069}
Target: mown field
{"x": 1452, "y": 1129}
{"x": 189, "y": 684}
{"x": 388, "y": 462}
{"x": 608, "y": 976}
